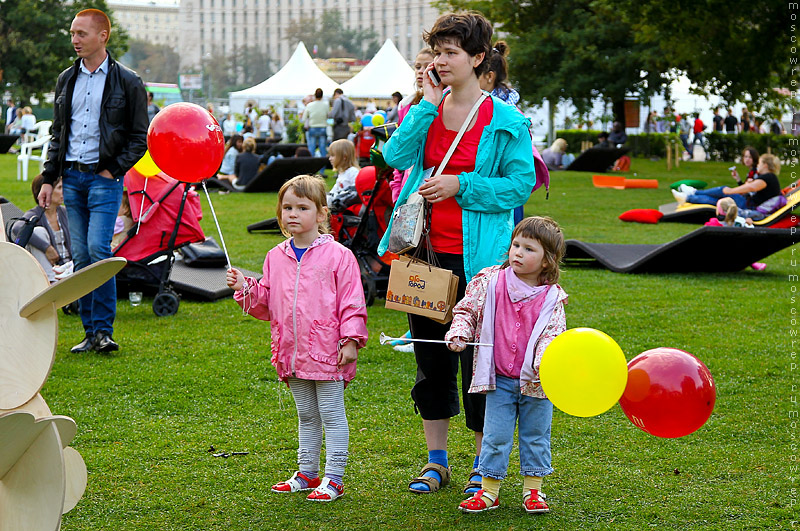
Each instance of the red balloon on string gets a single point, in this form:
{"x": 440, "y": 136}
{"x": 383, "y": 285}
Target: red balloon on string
{"x": 186, "y": 142}
{"x": 670, "y": 393}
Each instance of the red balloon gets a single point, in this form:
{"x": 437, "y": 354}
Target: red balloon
{"x": 186, "y": 142}
{"x": 670, "y": 393}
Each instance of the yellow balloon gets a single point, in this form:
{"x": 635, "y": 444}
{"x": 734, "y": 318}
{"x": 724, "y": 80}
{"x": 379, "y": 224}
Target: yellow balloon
{"x": 377, "y": 119}
{"x": 146, "y": 166}
{"x": 583, "y": 372}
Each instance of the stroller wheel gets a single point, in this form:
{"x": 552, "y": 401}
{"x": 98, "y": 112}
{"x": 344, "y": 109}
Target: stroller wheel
{"x": 166, "y": 303}
{"x": 370, "y": 289}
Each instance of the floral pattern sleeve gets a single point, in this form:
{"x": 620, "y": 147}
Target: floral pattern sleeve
{"x": 468, "y": 313}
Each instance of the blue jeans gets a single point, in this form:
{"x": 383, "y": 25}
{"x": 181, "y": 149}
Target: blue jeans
{"x": 685, "y": 141}
{"x": 317, "y": 137}
{"x": 711, "y": 196}
{"x": 92, "y": 204}
{"x": 504, "y": 407}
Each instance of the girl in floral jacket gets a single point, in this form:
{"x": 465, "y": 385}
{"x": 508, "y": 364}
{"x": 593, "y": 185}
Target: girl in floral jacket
{"x": 519, "y": 308}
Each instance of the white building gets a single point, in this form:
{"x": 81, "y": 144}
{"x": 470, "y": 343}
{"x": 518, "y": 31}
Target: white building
{"x": 220, "y": 26}
{"x": 154, "y": 21}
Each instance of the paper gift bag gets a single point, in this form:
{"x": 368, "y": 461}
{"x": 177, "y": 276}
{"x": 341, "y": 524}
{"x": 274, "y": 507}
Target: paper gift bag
{"x": 422, "y": 289}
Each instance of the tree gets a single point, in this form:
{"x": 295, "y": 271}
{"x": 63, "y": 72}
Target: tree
{"x": 574, "y": 50}
{"x": 153, "y": 62}
{"x": 331, "y": 37}
{"x": 35, "y": 45}
{"x": 735, "y": 49}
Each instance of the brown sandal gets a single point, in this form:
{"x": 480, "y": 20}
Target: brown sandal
{"x": 432, "y": 483}
{"x": 473, "y": 486}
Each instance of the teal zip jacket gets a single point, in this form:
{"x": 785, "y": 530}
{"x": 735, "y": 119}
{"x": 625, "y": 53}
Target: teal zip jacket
{"x": 503, "y": 179}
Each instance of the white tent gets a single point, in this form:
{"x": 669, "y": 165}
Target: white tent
{"x": 299, "y": 77}
{"x": 388, "y": 72}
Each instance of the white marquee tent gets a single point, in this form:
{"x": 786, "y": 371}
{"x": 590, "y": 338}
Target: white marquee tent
{"x": 386, "y": 73}
{"x": 299, "y": 77}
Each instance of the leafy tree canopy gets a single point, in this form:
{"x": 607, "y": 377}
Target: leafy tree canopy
{"x": 583, "y": 49}
{"x": 153, "y": 62}
{"x": 35, "y": 44}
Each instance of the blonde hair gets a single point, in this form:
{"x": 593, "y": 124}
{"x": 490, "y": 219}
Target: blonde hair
{"x": 249, "y": 144}
{"x": 344, "y": 155}
{"x": 309, "y": 187}
{"x": 727, "y": 207}
{"x": 772, "y": 162}
{"x": 547, "y": 232}
{"x": 559, "y": 145}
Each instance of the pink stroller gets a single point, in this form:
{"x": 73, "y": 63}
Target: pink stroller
{"x": 170, "y": 219}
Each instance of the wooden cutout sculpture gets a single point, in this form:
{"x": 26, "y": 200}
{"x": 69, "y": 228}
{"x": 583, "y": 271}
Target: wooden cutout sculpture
{"x": 41, "y": 477}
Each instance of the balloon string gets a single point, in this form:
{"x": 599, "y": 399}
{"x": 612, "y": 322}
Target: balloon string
{"x": 214, "y": 214}
{"x": 141, "y": 206}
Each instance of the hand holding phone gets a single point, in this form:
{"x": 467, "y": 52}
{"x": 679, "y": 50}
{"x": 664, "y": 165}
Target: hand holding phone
{"x": 434, "y": 75}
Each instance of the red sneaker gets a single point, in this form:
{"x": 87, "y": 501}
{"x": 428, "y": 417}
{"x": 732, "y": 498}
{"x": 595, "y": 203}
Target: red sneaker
{"x": 534, "y": 502}
{"x": 293, "y": 484}
{"x": 477, "y": 504}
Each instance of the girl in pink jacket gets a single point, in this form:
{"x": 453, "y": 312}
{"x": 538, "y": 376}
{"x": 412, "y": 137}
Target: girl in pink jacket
{"x": 311, "y": 293}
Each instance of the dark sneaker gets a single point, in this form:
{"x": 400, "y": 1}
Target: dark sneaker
{"x": 104, "y": 343}
{"x": 84, "y": 346}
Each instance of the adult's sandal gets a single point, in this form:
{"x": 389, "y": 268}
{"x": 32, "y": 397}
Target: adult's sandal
{"x": 432, "y": 483}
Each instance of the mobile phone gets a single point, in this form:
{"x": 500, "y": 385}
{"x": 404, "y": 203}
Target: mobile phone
{"x": 732, "y": 168}
{"x": 434, "y": 75}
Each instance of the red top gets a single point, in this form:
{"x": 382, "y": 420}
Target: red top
{"x": 446, "y": 231}
{"x": 698, "y": 126}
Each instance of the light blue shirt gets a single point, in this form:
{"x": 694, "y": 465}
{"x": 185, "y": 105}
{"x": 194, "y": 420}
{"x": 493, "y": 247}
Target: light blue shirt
{"x": 84, "y": 131}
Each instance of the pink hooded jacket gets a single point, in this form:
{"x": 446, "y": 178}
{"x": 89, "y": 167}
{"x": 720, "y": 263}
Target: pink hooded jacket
{"x": 314, "y": 306}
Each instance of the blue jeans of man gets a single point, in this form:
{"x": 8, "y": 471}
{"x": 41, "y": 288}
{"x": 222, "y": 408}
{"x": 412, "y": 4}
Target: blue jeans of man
{"x": 318, "y": 138}
{"x": 505, "y": 406}
{"x": 92, "y": 203}
{"x": 710, "y": 196}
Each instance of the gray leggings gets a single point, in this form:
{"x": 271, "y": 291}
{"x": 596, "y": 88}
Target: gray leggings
{"x": 321, "y": 404}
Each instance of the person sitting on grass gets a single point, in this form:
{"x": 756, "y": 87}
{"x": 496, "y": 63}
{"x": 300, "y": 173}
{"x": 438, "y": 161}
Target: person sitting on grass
{"x": 232, "y": 149}
{"x": 311, "y": 292}
{"x": 553, "y": 156}
{"x": 524, "y": 291}
{"x": 246, "y": 166}
{"x": 763, "y": 187}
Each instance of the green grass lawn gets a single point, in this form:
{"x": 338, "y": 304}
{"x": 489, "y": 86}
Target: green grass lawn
{"x": 148, "y": 415}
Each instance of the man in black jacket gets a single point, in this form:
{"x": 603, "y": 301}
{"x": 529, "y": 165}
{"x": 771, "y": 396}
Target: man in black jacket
{"x": 99, "y": 132}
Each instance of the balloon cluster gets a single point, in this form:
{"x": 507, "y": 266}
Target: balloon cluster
{"x": 373, "y": 120}
{"x": 664, "y": 391}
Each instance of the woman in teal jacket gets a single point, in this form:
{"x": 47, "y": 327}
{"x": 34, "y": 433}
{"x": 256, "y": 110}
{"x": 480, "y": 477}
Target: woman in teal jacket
{"x": 490, "y": 173}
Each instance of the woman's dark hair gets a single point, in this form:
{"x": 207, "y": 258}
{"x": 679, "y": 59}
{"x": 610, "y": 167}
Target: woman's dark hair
{"x": 232, "y": 142}
{"x": 753, "y": 154}
{"x": 498, "y": 64}
{"x": 318, "y": 93}
{"x": 36, "y": 186}
{"x": 469, "y": 30}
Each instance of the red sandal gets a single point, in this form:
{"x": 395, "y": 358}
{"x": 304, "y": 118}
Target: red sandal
{"x": 293, "y": 485}
{"x": 534, "y": 502}
{"x": 477, "y": 504}
{"x": 327, "y": 491}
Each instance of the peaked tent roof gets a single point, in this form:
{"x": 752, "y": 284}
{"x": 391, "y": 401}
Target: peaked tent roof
{"x": 299, "y": 77}
{"x": 386, "y": 73}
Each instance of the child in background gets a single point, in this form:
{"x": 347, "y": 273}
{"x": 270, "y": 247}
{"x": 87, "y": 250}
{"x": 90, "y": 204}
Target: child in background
{"x": 123, "y": 223}
{"x": 517, "y": 303}
{"x": 314, "y": 350}
{"x": 727, "y": 208}
{"x": 342, "y": 154}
